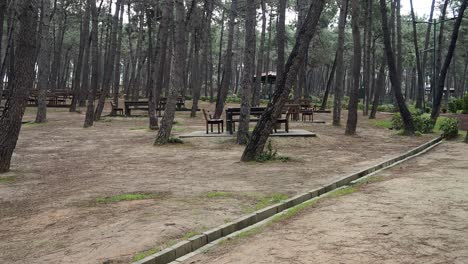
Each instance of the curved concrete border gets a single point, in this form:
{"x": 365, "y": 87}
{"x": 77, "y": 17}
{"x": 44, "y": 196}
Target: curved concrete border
{"x": 187, "y": 246}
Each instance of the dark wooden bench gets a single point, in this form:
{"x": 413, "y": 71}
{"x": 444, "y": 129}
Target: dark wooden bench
{"x": 135, "y": 105}
{"x": 284, "y": 121}
{"x": 231, "y": 113}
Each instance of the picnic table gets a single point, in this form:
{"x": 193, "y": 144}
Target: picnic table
{"x": 135, "y": 105}
{"x": 294, "y": 110}
{"x": 232, "y": 112}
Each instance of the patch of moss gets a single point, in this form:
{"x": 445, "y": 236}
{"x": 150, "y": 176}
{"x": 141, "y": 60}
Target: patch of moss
{"x": 143, "y": 254}
{"x": 342, "y": 191}
{"x": 293, "y": 211}
{"x": 7, "y": 179}
{"x": 174, "y": 140}
{"x": 382, "y": 123}
{"x": 218, "y": 194}
{"x": 32, "y": 124}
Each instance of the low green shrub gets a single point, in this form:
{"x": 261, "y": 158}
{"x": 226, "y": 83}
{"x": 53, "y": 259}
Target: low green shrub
{"x": 174, "y": 140}
{"x": 234, "y": 99}
{"x": 397, "y": 122}
{"x": 465, "y": 104}
{"x": 455, "y": 105}
{"x": 449, "y": 128}
{"x": 270, "y": 155}
{"x": 386, "y": 108}
{"x": 423, "y": 123}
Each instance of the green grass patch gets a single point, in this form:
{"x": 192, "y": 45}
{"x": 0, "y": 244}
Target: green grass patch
{"x": 342, "y": 191}
{"x": 32, "y": 124}
{"x": 127, "y": 197}
{"x": 382, "y": 123}
{"x": 190, "y": 234}
{"x": 141, "y": 255}
{"x": 218, "y": 194}
{"x": 174, "y": 140}
{"x": 270, "y": 200}
{"x": 178, "y": 129}
{"x": 7, "y": 179}
{"x": 293, "y": 211}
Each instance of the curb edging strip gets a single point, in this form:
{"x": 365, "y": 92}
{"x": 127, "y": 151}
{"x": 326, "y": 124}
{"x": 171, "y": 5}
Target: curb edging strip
{"x": 192, "y": 244}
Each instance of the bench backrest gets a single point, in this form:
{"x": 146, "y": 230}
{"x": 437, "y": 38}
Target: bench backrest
{"x": 205, "y": 115}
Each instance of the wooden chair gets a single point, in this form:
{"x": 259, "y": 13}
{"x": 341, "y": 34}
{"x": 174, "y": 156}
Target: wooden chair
{"x": 284, "y": 121}
{"x": 210, "y": 121}
{"x": 116, "y": 110}
{"x": 307, "y": 115}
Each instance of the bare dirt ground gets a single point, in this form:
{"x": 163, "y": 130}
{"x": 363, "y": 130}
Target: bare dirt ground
{"x": 49, "y": 211}
{"x": 416, "y": 213}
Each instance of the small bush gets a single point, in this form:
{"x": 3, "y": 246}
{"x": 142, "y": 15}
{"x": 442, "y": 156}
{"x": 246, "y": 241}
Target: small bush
{"x": 233, "y": 99}
{"x": 423, "y": 123}
{"x": 397, "y": 122}
{"x": 449, "y": 128}
{"x": 465, "y": 104}
{"x": 174, "y": 140}
{"x": 270, "y": 155}
{"x": 455, "y": 105}
{"x": 386, "y": 108}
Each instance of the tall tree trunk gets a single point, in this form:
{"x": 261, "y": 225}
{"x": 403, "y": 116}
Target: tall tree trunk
{"x": 368, "y": 73}
{"x": 196, "y": 67}
{"x": 109, "y": 64}
{"x": 218, "y": 79}
{"x": 399, "y": 48}
{"x": 440, "y": 42}
{"x": 177, "y": 73}
{"x": 281, "y": 36}
{"x": 443, "y": 73}
{"x": 249, "y": 68}
{"x": 329, "y": 84}
{"x": 76, "y": 85}
{"x": 21, "y": 80}
{"x": 379, "y": 88}
{"x": 94, "y": 48}
{"x": 44, "y": 63}
{"x": 58, "y": 47}
{"x": 267, "y": 64}
{"x": 265, "y": 125}
{"x": 426, "y": 46}
{"x": 260, "y": 57}
{"x": 117, "y": 65}
{"x": 83, "y": 93}
{"x": 354, "y": 93}
{"x": 227, "y": 71}
{"x": 152, "y": 104}
{"x": 340, "y": 67}
{"x": 420, "y": 82}
{"x": 393, "y": 71}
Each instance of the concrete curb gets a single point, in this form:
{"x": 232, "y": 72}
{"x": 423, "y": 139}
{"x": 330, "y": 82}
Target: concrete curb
{"x": 187, "y": 246}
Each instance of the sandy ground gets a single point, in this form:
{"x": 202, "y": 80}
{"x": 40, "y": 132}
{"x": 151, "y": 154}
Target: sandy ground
{"x": 417, "y": 213}
{"x": 49, "y": 213}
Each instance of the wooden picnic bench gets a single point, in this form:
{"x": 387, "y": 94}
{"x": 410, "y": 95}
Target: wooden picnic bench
{"x": 135, "y": 105}
{"x": 232, "y": 112}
